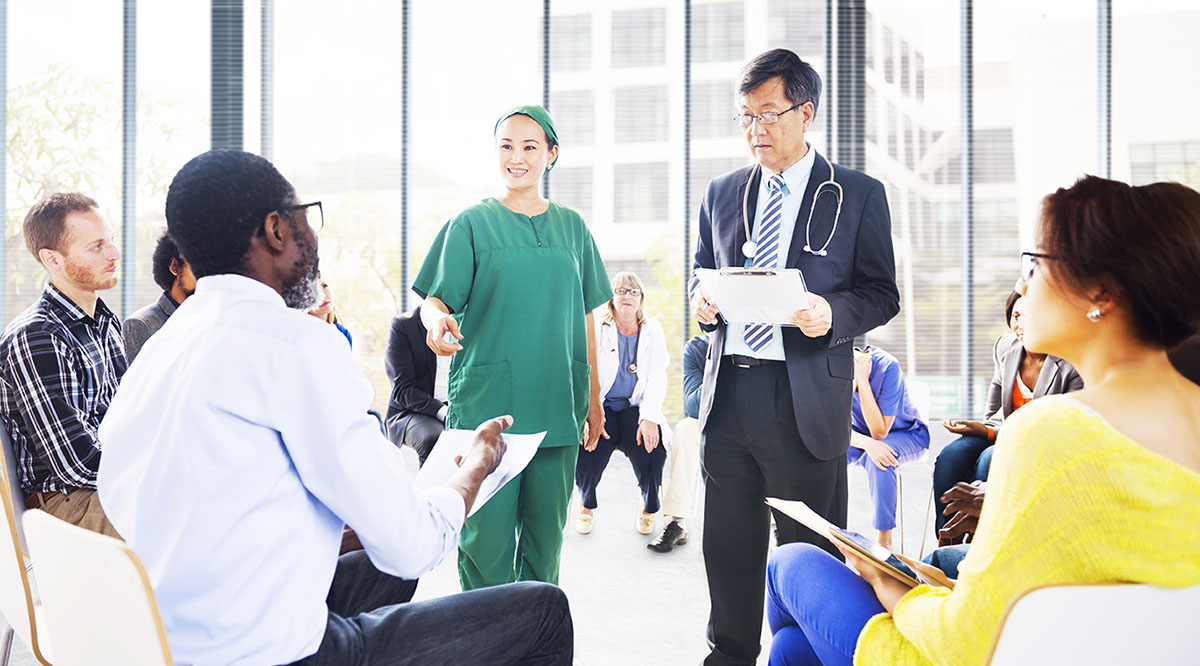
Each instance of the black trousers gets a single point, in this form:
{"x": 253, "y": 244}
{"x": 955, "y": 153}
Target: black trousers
{"x": 421, "y": 434}
{"x": 622, "y": 434}
{"x": 751, "y": 450}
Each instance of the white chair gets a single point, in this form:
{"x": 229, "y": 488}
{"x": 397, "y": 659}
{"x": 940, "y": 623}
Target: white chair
{"x": 16, "y": 597}
{"x": 96, "y": 592}
{"x": 918, "y": 392}
{"x": 1100, "y": 624}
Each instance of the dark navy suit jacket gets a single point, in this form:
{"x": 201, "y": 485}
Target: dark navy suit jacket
{"x": 857, "y": 277}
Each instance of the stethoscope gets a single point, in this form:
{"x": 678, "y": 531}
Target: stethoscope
{"x": 750, "y": 247}
{"x": 637, "y": 340}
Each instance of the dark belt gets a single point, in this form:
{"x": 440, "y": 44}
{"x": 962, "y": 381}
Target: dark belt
{"x": 38, "y": 500}
{"x": 749, "y": 361}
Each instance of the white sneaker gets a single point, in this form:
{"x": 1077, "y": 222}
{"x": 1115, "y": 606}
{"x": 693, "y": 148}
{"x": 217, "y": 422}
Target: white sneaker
{"x": 645, "y": 523}
{"x": 583, "y": 523}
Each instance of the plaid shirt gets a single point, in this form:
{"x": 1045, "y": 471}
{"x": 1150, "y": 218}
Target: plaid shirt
{"x": 59, "y": 370}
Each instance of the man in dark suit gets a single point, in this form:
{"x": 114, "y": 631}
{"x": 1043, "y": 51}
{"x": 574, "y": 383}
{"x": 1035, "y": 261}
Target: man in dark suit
{"x": 414, "y": 415}
{"x": 174, "y": 276}
{"x": 775, "y": 407}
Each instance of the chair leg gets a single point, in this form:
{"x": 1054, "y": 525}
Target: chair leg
{"x": 928, "y": 515}
{"x": 6, "y": 640}
{"x": 900, "y": 504}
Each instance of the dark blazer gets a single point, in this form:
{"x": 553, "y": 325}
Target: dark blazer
{"x": 140, "y": 325}
{"x": 411, "y": 367}
{"x": 1057, "y": 376}
{"x": 858, "y": 278}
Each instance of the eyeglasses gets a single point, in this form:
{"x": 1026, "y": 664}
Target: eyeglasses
{"x": 312, "y": 212}
{"x": 1029, "y": 263}
{"x": 621, "y": 291}
{"x": 764, "y": 118}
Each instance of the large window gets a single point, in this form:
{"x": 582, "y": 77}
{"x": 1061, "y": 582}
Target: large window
{"x": 640, "y": 114}
{"x": 713, "y": 109}
{"x": 718, "y": 32}
{"x": 638, "y": 193}
{"x": 639, "y": 37}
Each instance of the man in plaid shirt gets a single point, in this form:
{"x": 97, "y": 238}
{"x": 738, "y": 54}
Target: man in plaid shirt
{"x": 61, "y": 360}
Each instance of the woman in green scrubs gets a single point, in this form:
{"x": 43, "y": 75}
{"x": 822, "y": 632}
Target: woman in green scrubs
{"x": 513, "y": 280}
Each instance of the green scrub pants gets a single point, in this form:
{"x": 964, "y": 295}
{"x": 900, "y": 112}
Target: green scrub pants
{"x": 518, "y": 534}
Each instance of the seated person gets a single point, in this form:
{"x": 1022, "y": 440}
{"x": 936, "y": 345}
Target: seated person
{"x": 683, "y": 456}
{"x": 61, "y": 361}
{"x": 174, "y": 276}
{"x": 416, "y": 413}
{"x": 241, "y": 445}
{"x": 325, "y": 311}
{"x": 631, "y": 359}
{"x": 886, "y": 431}
{"x": 1019, "y": 376}
{"x": 1084, "y": 485}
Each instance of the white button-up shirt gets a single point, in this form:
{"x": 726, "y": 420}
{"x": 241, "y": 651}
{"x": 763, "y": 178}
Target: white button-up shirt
{"x": 795, "y": 181}
{"x": 232, "y": 454}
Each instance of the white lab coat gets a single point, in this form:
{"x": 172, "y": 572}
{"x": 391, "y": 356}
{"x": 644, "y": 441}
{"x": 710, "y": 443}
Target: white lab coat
{"x": 652, "y": 359}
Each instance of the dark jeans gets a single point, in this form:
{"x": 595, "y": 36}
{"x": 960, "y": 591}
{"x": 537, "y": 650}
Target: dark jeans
{"x": 369, "y": 623}
{"x": 947, "y": 558}
{"x": 622, "y": 429}
{"x": 752, "y": 450}
{"x": 965, "y": 459}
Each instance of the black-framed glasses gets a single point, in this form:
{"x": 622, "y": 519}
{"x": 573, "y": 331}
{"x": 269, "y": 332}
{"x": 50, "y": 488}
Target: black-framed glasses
{"x": 764, "y": 118}
{"x": 621, "y": 291}
{"x": 312, "y": 212}
{"x": 1029, "y": 263}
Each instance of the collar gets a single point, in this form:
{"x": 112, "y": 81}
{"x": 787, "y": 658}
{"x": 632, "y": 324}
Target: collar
{"x": 71, "y": 309}
{"x": 794, "y": 177}
{"x": 232, "y": 283}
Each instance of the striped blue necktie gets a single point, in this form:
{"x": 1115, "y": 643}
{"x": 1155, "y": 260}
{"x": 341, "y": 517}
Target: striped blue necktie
{"x": 766, "y": 255}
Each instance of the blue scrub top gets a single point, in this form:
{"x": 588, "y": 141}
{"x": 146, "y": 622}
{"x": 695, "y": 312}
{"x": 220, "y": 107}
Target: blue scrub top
{"x": 623, "y": 384}
{"x": 891, "y": 394}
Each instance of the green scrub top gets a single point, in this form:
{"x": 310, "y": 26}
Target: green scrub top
{"x": 519, "y": 288}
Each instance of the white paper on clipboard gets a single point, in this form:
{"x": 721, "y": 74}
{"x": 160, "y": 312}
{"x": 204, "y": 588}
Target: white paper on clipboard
{"x": 755, "y": 295}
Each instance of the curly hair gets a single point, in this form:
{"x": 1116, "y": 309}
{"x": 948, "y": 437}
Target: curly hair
{"x": 217, "y": 202}
{"x": 160, "y": 263}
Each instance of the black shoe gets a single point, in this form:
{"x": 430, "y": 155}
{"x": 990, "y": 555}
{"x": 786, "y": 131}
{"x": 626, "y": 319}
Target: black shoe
{"x": 672, "y": 535}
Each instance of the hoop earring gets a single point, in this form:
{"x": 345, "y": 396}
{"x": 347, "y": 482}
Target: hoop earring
{"x": 1094, "y": 315}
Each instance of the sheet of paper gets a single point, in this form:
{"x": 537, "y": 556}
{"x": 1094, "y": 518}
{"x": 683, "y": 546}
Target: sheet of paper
{"x": 440, "y": 465}
{"x": 747, "y": 297}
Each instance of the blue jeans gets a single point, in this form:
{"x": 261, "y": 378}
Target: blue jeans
{"x": 965, "y": 459}
{"x": 947, "y": 558}
{"x": 519, "y": 623}
{"x": 816, "y": 607}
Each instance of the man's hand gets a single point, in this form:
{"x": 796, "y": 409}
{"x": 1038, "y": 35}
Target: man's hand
{"x": 966, "y": 428}
{"x": 647, "y": 435}
{"x": 703, "y": 309}
{"x": 964, "y": 502}
{"x": 881, "y": 454}
{"x": 436, "y": 337}
{"x": 489, "y": 446}
{"x": 593, "y": 428}
{"x": 817, "y": 319}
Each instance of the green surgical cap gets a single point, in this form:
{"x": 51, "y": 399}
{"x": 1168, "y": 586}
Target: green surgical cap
{"x": 540, "y": 116}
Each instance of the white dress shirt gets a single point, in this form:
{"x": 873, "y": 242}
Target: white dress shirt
{"x": 233, "y": 453}
{"x": 795, "y": 181}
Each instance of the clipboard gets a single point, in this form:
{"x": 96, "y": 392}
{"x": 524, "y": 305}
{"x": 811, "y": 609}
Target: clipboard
{"x": 878, "y": 556}
{"x": 754, "y": 294}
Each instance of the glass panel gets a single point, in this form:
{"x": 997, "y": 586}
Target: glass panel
{"x": 717, "y": 32}
{"x": 640, "y": 113}
{"x": 639, "y": 37}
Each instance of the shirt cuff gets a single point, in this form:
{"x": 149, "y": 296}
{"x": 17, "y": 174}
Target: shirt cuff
{"x": 441, "y": 413}
{"x": 450, "y": 504}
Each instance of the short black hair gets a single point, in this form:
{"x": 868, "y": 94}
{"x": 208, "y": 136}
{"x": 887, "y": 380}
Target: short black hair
{"x": 801, "y": 83}
{"x": 217, "y": 202}
{"x": 160, "y": 262}
{"x": 1009, "y": 304}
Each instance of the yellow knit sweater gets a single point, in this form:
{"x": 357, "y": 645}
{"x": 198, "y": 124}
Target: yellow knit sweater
{"x": 1070, "y": 500}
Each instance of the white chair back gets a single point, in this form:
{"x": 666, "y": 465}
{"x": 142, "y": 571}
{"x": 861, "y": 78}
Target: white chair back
{"x": 96, "y": 595}
{"x": 1100, "y": 624}
{"x": 919, "y": 393}
{"x": 16, "y": 598}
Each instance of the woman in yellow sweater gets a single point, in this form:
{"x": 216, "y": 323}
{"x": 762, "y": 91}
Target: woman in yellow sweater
{"x": 1085, "y": 485}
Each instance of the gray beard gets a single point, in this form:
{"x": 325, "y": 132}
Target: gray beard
{"x": 303, "y": 291}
